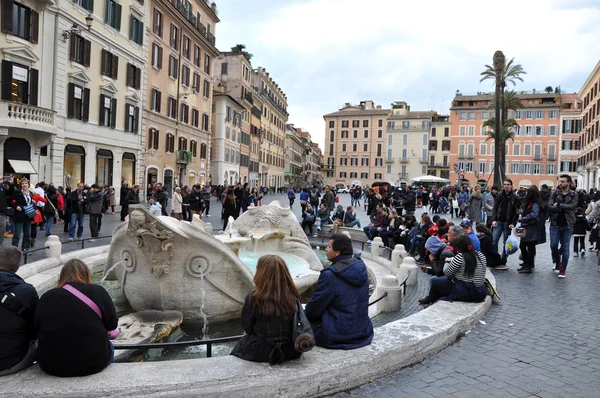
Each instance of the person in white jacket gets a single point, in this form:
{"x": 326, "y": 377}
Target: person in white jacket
{"x": 177, "y": 204}
{"x": 155, "y": 208}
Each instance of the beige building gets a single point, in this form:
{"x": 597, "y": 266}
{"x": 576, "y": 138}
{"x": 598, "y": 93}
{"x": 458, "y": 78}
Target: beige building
{"x": 225, "y": 161}
{"x": 71, "y": 90}
{"x": 589, "y": 160}
{"x": 312, "y": 160}
{"x": 178, "y": 101}
{"x": 272, "y": 128}
{"x": 355, "y": 144}
{"x": 295, "y": 158}
{"x": 439, "y": 147}
{"x": 407, "y": 154}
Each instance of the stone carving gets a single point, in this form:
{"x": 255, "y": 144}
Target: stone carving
{"x": 153, "y": 241}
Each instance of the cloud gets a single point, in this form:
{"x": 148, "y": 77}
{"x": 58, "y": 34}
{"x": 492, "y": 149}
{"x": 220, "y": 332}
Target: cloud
{"x": 324, "y": 53}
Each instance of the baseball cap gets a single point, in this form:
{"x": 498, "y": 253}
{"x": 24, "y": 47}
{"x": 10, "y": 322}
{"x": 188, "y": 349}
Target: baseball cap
{"x": 466, "y": 223}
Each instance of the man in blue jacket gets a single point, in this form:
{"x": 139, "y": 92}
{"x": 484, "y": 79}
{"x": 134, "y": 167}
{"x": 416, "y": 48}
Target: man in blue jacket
{"x": 339, "y": 308}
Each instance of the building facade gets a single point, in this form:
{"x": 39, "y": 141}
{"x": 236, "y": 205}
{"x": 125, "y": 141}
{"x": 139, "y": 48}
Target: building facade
{"x": 355, "y": 144}
{"x": 570, "y": 132}
{"x": 439, "y": 147}
{"x": 407, "y": 149}
{"x": 589, "y": 141}
{"x": 295, "y": 158}
{"x": 226, "y": 139}
{"x": 179, "y": 88}
{"x": 531, "y": 158}
{"x": 70, "y": 108}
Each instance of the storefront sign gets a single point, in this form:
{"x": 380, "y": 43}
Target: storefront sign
{"x": 107, "y": 102}
{"x": 77, "y": 92}
{"x": 131, "y": 111}
{"x": 20, "y": 73}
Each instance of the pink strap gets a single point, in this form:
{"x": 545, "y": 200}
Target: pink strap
{"x": 83, "y": 298}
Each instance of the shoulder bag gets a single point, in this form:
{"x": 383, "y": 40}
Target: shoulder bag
{"x": 111, "y": 334}
{"x": 302, "y": 334}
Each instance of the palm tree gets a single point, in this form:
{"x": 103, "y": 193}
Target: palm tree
{"x": 241, "y": 49}
{"x": 507, "y": 132}
{"x": 511, "y": 102}
{"x": 549, "y": 89}
{"x": 501, "y": 72}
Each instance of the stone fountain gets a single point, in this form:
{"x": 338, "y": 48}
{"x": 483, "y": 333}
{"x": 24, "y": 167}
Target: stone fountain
{"x": 166, "y": 264}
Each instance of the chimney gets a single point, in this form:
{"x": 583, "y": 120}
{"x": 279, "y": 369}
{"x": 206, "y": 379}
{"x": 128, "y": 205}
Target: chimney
{"x": 378, "y": 106}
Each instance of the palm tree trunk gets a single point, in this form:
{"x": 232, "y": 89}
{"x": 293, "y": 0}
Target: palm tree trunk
{"x": 499, "y": 63}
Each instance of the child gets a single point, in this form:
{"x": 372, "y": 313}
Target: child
{"x": 155, "y": 208}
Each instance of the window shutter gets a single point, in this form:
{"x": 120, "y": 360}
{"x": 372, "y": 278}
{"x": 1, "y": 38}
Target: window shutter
{"x": 140, "y": 33}
{"x": 159, "y": 100}
{"x": 6, "y": 76}
{"x": 113, "y": 113}
{"x": 117, "y": 16}
{"x": 127, "y": 106}
{"x": 7, "y": 17}
{"x": 156, "y": 133}
{"x": 72, "y": 48}
{"x": 129, "y": 79}
{"x": 136, "y": 118}
{"x": 160, "y": 57}
{"x": 87, "y": 51}
{"x": 115, "y": 67}
{"x": 131, "y": 27}
{"x": 33, "y": 86}
{"x": 138, "y": 78}
{"x": 86, "y": 105}
{"x": 153, "y": 54}
{"x": 107, "y": 12}
{"x": 103, "y": 69}
{"x": 35, "y": 26}
{"x": 71, "y": 103}
{"x": 101, "y": 118}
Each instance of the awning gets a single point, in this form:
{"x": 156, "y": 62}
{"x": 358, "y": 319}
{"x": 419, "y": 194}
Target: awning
{"x": 22, "y": 166}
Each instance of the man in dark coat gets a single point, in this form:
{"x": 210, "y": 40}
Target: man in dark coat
{"x": 410, "y": 201}
{"x": 505, "y": 214}
{"x": 123, "y": 202}
{"x": 339, "y": 307}
{"x": 95, "y": 198}
{"x": 196, "y": 201}
{"x": 329, "y": 199}
{"x": 18, "y": 302}
{"x": 161, "y": 197}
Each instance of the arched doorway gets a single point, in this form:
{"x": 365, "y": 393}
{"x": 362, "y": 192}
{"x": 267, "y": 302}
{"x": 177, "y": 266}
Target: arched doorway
{"x": 104, "y": 167}
{"x": 17, "y": 156}
{"x": 151, "y": 179}
{"x": 74, "y": 165}
{"x": 191, "y": 179}
{"x": 168, "y": 181}
{"x": 128, "y": 167}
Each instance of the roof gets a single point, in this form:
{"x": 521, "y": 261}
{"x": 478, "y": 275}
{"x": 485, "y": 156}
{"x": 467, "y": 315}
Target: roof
{"x": 489, "y": 97}
{"x": 234, "y": 100}
{"x": 414, "y": 115}
{"x": 356, "y": 111}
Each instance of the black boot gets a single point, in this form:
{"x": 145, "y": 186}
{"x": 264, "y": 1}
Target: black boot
{"x": 526, "y": 269}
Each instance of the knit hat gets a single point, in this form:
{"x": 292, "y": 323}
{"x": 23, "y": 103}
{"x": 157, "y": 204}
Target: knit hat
{"x": 433, "y": 244}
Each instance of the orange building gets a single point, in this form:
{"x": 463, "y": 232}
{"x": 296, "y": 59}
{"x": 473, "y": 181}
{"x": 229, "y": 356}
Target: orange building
{"x": 531, "y": 158}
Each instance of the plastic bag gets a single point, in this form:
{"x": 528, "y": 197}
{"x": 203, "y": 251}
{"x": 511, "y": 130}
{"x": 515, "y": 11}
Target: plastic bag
{"x": 512, "y": 244}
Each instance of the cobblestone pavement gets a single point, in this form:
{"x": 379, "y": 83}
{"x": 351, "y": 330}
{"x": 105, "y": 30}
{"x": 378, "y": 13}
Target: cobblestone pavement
{"x": 541, "y": 340}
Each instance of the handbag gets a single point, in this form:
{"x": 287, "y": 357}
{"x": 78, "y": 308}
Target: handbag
{"x": 302, "y": 334}
{"x": 310, "y": 218}
{"x": 112, "y": 334}
{"x": 29, "y": 210}
{"x": 55, "y": 211}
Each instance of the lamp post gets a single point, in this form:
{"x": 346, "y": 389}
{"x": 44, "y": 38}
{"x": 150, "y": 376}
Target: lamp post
{"x": 76, "y": 29}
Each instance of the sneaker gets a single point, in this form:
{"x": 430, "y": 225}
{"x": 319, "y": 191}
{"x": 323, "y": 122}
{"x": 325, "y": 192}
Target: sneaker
{"x": 92, "y": 240}
{"x": 501, "y": 267}
{"x": 369, "y": 241}
{"x": 8, "y": 234}
{"x": 425, "y": 300}
{"x": 79, "y": 237}
{"x": 207, "y": 215}
{"x": 562, "y": 273}
{"x": 525, "y": 270}
{"x": 557, "y": 267}
{"x": 582, "y": 252}
{"x": 575, "y": 254}
{"x": 70, "y": 239}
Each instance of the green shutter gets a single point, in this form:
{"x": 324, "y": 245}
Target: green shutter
{"x": 140, "y": 35}
{"x": 117, "y": 17}
{"x": 131, "y": 28}
{"x": 107, "y": 12}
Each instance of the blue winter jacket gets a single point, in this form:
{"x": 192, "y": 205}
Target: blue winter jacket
{"x": 339, "y": 308}
{"x": 304, "y": 195}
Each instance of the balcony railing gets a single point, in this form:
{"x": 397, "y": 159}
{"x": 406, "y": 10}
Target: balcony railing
{"x": 389, "y": 160}
{"x": 423, "y": 160}
{"x": 470, "y": 156}
{"x": 403, "y": 160}
{"x": 462, "y": 156}
{"x": 537, "y": 156}
{"x": 403, "y": 175}
{"x": 182, "y": 157}
{"x": 552, "y": 156}
{"x": 248, "y": 97}
{"x": 187, "y": 14}
{"x": 400, "y": 128}
{"x": 26, "y": 113}
{"x": 274, "y": 103}
{"x": 433, "y": 164}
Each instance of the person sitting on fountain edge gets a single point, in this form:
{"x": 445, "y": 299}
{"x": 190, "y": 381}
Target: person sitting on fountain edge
{"x": 339, "y": 307}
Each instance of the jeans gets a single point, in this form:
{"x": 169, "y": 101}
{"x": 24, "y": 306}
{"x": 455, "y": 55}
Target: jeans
{"x": 579, "y": 243}
{"x": 112, "y": 353}
{"x": 371, "y": 232}
{"x": 25, "y": 227}
{"x": 76, "y": 219}
{"x": 49, "y": 221}
{"x": 207, "y": 206}
{"x": 528, "y": 252}
{"x": 560, "y": 235}
{"x": 2, "y": 227}
{"x": 94, "y": 227}
{"x": 501, "y": 229}
{"x": 353, "y": 223}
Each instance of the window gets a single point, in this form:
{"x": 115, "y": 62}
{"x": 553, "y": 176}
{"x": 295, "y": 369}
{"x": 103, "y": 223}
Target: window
{"x": 528, "y": 114}
{"x": 484, "y": 116}
{"x": 528, "y": 130}
{"x": 136, "y": 31}
{"x": 21, "y": 21}
{"x": 516, "y": 149}
{"x": 389, "y": 154}
{"x": 526, "y": 168}
{"x": 87, "y": 4}
{"x": 195, "y": 117}
{"x": 405, "y": 124}
{"x": 153, "y": 138}
{"x": 172, "y": 108}
{"x": 518, "y": 115}
{"x": 132, "y": 116}
{"x": 425, "y": 138}
{"x": 366, "y": 134}
{"x": 331, "y": 124}
{"x": 356, "y": 123}
{"x": 202, "y": 151}
{"x": 365, "y": 147}
{"x": 354, "y": 161}
{"x": 109, "y": 64}
{"x": 80, "y": 50}
{"x": 206, "y": 89}
{"x": 194, "y": 144}
{"x": 539, "y": 130}
{"x": 185, "y": 110}
{"x": 537, "y": 168}
{"x": 462, "y": 130}
{"x": 156, "y": 56}
{"x": 185, "y": 75}
{"x": 404, "y": 139}
{"x": 364, "y": 161}
{"x": 539, "y": 114}
{"x": 113, "y": 14}
{"x": 196, "y": 83}
{"x": 527, "y": 150}
{"x": 471, "y": 130}
{"x": 207, "y": 64}
{"x": 550, "y": 168}
{"x": 404, "y": 154}
{"x": 182, "y": 144}
{"x": 155, "y": 100}
{"x": 173, "y": 67}
{"x": 344, "y": 134}
{"x": 472, "y": 115}
{"x": 379, "y": 133}
{"x": 365, "y": 123}
{"x": 170, "y": 143}
{"x": 79, "y": 103}
{"x": 174, "y": 39}
{"x": 482, "y": 148}
{"x": 204, "y": 122}
{"x": 343, "y": 161}
{"x": 462, "y": 116}
{"x": 514, "y": 168}
{"x": 390, "y": 139}
{"x": 482, "y": 167}
{"x": 344, "y": 123}
{"x": 224, "y": 67}
{"x": 517, "y": 130}
{"x": 157, "y": 26}
{"x": 134, "y": 76}
{"x": 355, "y": 134}
{"x": 108, "y": 112}
{"x": 197, "y": 55}
{"x": 186, "y": 47}
{"x": 446, "y": 131}
{"x": 343, "y": 147}
{"x": 553, "y": 114}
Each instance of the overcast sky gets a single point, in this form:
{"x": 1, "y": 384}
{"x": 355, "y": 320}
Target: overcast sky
{"x": 324, "y": 53}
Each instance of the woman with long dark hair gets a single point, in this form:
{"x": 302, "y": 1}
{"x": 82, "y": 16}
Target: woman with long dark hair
{"x": 466, "y": 275}
{"x": 267, "y": 314}
{"x": 533, "y": 221}
{"x": 74, "y": 322}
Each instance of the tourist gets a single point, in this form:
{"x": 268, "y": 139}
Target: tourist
{"x": 256, "y": 197}
{"x": 123, "y": 201}
{"x": 303, "y": 199}
{"x": 94, "y": 205}
{"x": 579, "y": 232}
{"x": 18, "y": 302}
{"x": 475, "y": 205}
{"x": 229, "y": 208}
{"x": 267, "y": 314}
{"x": 132, "y": 198}
{"x": 350, "y": 220}
{"x": 18, "y": 200}
{"x": 196, "y": 202}
{"x": 493, "y": 258}
{"x": 338, "y": 218}
{"x": 50, "y": 208}
{"x": 561, "y": 206}
{"x": 323, "y": 217}
{"x": 112, "y": 199}
{"x": 339, "y": 307}
{"x": 177, "y": 204}
{"x": 378, "y": 222}
{"x": 68, "y": 209}
{"x": 533, "y": 221}
{"x": 466, "y": 275}
{"x": 505, "y": 214}
{"x": 206, "y": 195}
{"x": 155, "y": 208}
{"x": 419, "y": 239}
{"x": 467, "y": 227}
{"x": 291, "y": 196}
{"x": 410, "y": 201}
{"x": 463, "y": 198}
{"x": 73, "y": 323}
{"x": 160, "y": 195}
{"x": 488, "y": 206}
{"x": 393, "y": 225}
{"x": 314, "y": 197}
{"x": 245, "y": 201}
{"x": 328, "y": 199}
{"x": 77, "y": 200}
{"x": 308, "y": 218}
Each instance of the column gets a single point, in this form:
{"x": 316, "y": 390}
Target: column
{"x": 90, "y": 164}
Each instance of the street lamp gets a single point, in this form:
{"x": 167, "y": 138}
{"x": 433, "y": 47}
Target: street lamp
{"x": 76, "y": 29}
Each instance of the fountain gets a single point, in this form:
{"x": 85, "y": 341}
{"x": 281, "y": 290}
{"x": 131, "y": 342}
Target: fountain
{"x": 166, "y": 264}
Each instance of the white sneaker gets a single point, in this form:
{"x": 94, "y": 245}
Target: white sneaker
{"x": 92, "y": 240}
{"x": 208, "y": 215}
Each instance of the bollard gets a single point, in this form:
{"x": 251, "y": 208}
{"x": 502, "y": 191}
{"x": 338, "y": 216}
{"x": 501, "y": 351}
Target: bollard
{"x": 54, "y": 248}
{"x": 397, "y": 256}
{"x": 389, "y": 284}
{"x": 377, "y": 247}
{"x": 400, "y": 247}
{"x": 347, "y": 234}
{"x": 409, "y": 270}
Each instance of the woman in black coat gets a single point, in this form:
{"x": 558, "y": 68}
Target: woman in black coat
{"x": 533, "y": 221}
{"x": 18, "y": 199}
{"x": 229, "y": 208}
{"x": 494, "y": 259}
{"x": 267, "y": 314}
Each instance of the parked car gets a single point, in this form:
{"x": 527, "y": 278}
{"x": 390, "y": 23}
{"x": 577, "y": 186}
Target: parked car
{"x": 343, "y": 189}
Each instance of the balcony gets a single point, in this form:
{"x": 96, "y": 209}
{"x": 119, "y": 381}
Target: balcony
{"x": 409, "y": 128}
{"x": 462, "y": 156}
{"x": 423, "y": 160}
{"x": 183, "y": 10}
{"x": 552, "y": 157}
{"x": 389, "y": 160}
{"x": 274, "y": 103}
{"x": 248, "y": 97}
{"x": 183, "y": 157}
{"x": 470, "y": 156}
{"x": 537, "y": 156}
{"x": 432, "y": 164}
{"x": 403, "y": 160}
{"x": 403, "y": 175}
{"x": 14, "y": 114}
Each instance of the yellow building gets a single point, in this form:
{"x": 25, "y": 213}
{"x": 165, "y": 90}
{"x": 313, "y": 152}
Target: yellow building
{"x": 178, "y": 101}
{"x": 439, "y": 147}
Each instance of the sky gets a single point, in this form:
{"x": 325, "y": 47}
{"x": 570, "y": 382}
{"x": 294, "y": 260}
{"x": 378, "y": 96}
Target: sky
{"x": 325, "y": 53}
